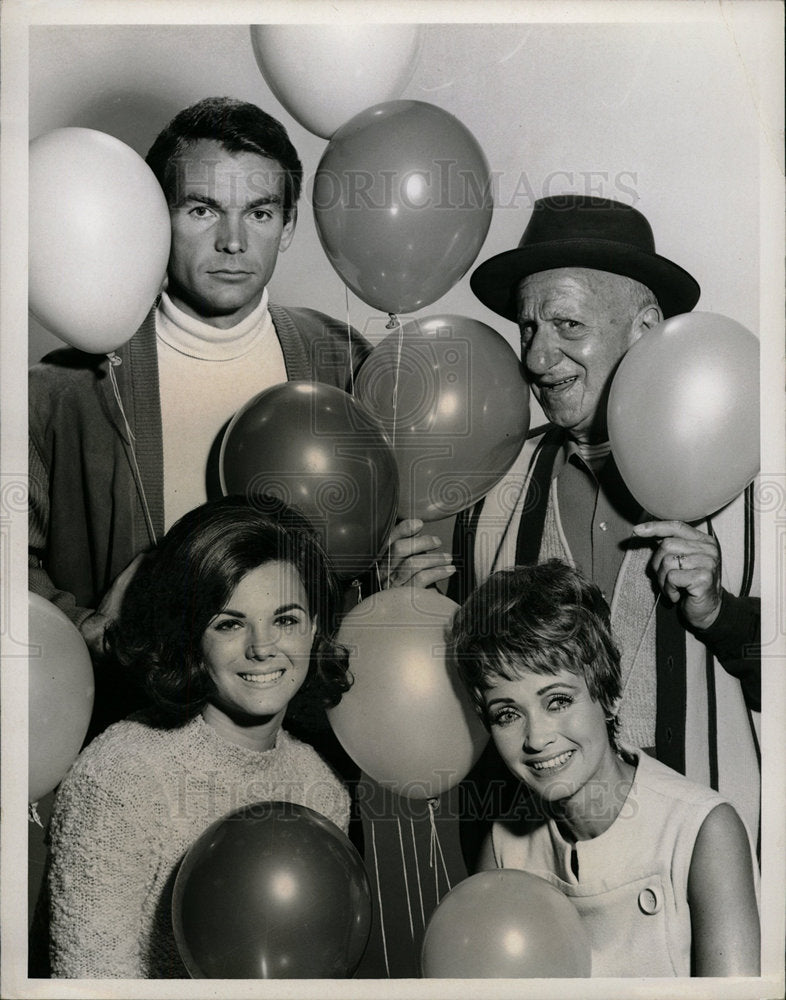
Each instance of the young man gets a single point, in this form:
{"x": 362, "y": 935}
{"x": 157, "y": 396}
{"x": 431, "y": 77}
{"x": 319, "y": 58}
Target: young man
{"x": 109, "y": 474}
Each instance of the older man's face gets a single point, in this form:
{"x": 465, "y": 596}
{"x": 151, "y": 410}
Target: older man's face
{"x": 576, "y": 324}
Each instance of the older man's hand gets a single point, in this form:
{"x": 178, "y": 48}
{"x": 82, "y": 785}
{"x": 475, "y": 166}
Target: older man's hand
{"x": 413, "y": 558}
{"x": 687, "y": 565}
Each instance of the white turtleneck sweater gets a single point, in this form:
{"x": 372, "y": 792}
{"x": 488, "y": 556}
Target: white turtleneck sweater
{"x": 205, "y": 376}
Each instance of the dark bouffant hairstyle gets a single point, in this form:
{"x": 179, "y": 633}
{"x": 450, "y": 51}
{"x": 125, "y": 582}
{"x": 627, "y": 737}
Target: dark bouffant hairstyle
{"x": 189, "y": 578}
{"x": 239, "y": 127}
{"x": 543, "y": 619}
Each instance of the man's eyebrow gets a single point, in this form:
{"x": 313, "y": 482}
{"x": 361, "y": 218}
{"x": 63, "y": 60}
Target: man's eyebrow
{"x": 195, "y": 197}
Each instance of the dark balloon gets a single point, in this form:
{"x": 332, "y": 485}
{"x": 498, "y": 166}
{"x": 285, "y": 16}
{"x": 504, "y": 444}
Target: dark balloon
{"x": 402, "y": 202}
{"x": 450, "y": 393}
{"x": 316, "y": 447}
{"x": 505, "y": 924}
{"x": 272, "y": 891}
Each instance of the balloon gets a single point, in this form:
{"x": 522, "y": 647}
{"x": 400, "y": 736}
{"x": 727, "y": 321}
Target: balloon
{"x": 505, "y": 923}
{"x": 99, "y": 238}
{"x": 324, "y": 74}
{"x": 316, "y": 447}
{"x": 457, "y": 414}
{"x": 61, "y": 690}
{"x": 271, "y": 891}
{"x": 402, "y": 202}
{"x": 683, "y": 415}
{"x": 406, "y": 720}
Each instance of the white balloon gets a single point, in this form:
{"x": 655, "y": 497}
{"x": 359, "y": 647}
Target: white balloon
{"x": 407, "y": 720}
{"x": 325, "y": 74}
{"x": 683, "y": 415}
{"x": 99, "y": 237}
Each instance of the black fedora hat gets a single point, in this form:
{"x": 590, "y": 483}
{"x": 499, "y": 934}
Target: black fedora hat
{"x": 573, "y": 230}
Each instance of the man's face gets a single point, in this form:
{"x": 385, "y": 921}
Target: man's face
{"x": 576, "y": 324}
{"x": 228, "y": 227}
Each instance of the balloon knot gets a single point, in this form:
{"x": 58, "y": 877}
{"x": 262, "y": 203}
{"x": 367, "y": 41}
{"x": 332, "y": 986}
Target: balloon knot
{"x": 114, "y": 359}
{"x": 32, "y": 814}
{"x": 392, "y": 323}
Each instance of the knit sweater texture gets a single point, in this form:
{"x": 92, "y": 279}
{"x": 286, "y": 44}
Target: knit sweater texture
{"x": 137, "y": 797}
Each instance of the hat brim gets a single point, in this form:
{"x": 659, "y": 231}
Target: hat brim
{"x": 495, "y": 281}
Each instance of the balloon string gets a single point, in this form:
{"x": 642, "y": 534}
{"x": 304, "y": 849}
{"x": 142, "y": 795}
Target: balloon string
{"x": 349, "y": 345}
{"x": 393, "y": 321}
{"x": 32, "y": 814}
{"x": 399, "y": 346}
{"x": 434, "y": 847}
{"x": 379, "y": 898}
{"x": 417, "y": 871}
{"x": 406, "y": 880}
{"x": 114, "y": 360}
{"x": 641, "y": 643}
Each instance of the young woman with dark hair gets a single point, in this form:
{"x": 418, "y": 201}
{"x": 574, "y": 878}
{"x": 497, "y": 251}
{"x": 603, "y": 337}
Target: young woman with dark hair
{"x": 227, "y": 623}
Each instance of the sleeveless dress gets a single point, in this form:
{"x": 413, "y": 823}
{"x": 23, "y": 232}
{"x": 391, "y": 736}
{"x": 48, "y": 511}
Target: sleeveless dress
{"x": 631, "y": 889}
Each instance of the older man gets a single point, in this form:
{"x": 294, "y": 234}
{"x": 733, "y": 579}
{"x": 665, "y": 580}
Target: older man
{"x": 583, "y": 285}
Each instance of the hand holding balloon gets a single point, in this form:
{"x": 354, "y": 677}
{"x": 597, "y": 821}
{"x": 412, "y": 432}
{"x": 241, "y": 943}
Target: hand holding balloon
{"x": 687, "y": 565}
{"x": 413, "y": 557}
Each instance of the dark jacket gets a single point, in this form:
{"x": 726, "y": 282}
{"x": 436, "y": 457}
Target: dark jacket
{"x": 87, "y": 501}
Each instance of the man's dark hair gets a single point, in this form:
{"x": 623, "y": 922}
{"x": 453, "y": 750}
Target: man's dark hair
{"x": 240, "y": 127}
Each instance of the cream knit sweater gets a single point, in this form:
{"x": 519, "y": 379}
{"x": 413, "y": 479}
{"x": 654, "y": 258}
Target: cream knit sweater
{"x": 134, "y": 801}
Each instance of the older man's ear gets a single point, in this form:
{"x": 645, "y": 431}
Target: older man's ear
{"x": 646, "y": 319}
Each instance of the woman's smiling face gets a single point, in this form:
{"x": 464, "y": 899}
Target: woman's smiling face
{"x": 257, "y": 649}
{"x": 551, "y": 733}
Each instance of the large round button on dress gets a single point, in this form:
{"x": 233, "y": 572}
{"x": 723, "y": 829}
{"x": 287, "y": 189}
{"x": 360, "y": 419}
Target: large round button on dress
{"x": 649, "y": 900}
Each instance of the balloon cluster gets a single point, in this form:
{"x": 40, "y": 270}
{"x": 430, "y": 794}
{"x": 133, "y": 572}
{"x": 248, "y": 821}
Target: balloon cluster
{"x": 402, "y": 195}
